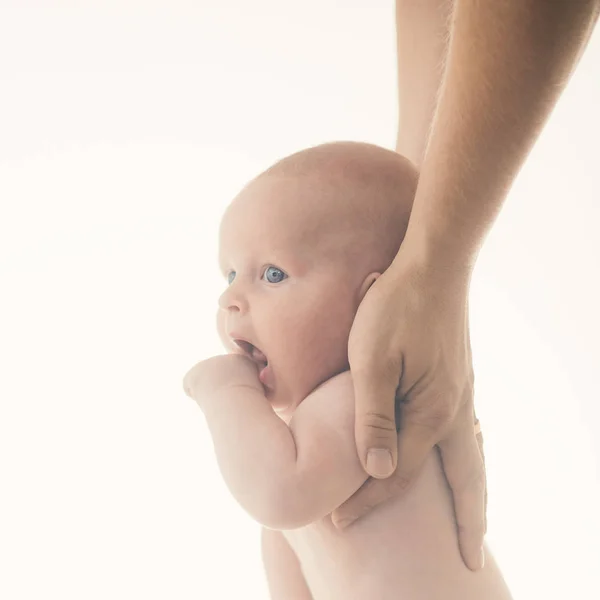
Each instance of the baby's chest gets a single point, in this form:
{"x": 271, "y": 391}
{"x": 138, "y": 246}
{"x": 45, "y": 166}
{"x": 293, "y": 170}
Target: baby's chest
{"x": 320, "y": 553}
{"x": 316, "y": 540}
{"x": 334, "y": 560}
{"x": 322, "y": 544}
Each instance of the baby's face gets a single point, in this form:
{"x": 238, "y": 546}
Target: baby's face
{"x": 287, "y": 295}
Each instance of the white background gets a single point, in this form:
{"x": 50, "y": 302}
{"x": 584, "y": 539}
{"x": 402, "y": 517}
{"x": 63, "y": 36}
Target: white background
{"x": 125, "y": 129}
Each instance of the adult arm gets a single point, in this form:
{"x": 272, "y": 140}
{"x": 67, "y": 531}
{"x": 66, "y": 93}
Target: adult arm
{"x": 422, "y": 34}
{"x": 506, "y": 66}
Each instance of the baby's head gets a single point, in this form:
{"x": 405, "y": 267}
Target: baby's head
{"x": 300, "y": 246}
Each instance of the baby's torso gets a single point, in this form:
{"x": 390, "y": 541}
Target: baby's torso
{"x": 358, "y": 563}
{"x": 375, "y": 557}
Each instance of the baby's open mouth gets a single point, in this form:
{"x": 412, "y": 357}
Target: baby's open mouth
{"x": 253, "y": 352}
{"x": 265, "y": 374}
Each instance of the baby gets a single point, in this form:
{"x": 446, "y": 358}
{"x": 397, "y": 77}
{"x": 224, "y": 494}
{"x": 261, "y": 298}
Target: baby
{"x": 300, "y": 246}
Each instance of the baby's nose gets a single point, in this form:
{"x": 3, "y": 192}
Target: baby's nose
{"x": 231, "y": 299}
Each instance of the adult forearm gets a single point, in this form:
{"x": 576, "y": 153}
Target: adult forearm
{"x": 422, "y": 33}
{"x": 507, "y": 64}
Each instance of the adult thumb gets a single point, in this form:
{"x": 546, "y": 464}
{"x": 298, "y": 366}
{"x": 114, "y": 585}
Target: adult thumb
{"x": 375, "y": 421}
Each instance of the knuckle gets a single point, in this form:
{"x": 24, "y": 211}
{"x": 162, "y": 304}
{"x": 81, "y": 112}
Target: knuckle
{"x": 399, "y": 484}
{"x": 438, "y": 415}
{"x": 379, "y": 423}
{"x": 365, "y": 508}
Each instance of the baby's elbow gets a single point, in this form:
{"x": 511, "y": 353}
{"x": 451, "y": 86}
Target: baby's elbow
{"x": 282, "y": 517}
{"x": 285, "y": 508}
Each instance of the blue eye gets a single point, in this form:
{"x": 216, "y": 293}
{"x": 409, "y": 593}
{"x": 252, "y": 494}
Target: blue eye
{"x": 276, "y": 273}
{"x": 273, "y": 275}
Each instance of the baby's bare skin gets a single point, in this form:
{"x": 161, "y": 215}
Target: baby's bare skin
{"x": 300, "y": 249}
{"x": 404, "y": 549}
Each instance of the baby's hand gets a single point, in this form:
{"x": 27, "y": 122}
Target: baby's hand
{"x": 220, "y": 372}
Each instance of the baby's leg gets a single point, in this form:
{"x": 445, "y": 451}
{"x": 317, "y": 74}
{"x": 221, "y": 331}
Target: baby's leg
{"x": 422, "y": 29}
{"x": 283, "y": 571}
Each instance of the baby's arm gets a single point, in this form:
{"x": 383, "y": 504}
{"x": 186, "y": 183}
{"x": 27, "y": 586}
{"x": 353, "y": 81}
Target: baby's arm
{"x": 284, "y": 574}
{"x": 284, "y": 477}
{"x": 287, "y": 477}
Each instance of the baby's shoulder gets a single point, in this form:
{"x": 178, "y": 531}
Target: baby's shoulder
{"x": 334, "y": 398}
{"x": 340, "y": 382}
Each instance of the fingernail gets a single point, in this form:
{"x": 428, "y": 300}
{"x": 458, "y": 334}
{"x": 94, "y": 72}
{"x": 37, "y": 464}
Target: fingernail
{"x": 481, "y": 559}
{"x": 379, "y": 463}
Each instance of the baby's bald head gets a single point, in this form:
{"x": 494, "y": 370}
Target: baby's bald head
{"x": 300, "y": 246}
{"x": 348, "y": 202}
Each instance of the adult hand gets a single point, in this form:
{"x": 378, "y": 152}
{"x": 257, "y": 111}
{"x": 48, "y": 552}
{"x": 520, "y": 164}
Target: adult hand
{"x": 411, "y": 337}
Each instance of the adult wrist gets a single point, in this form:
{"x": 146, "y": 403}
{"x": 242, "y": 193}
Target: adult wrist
{"x": 435, "y": 255}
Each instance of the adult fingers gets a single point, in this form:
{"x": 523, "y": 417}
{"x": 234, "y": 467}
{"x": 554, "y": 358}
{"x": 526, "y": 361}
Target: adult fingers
{"x": 415, "y": 442}
{"x": 372, "y": 493}
{"x": 464, "y": 469}
{"x": 479, "y": 438}
{"x": 375, "y": 419}
{"x": 418, "y": 435}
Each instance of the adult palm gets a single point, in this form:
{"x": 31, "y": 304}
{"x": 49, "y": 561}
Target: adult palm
{"x": 410, "y": 342}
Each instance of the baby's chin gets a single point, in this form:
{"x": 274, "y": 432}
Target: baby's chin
{"x": 283, "y": 404}
{"x": 285, "y": 389}
{"x": 283, "y": 399}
